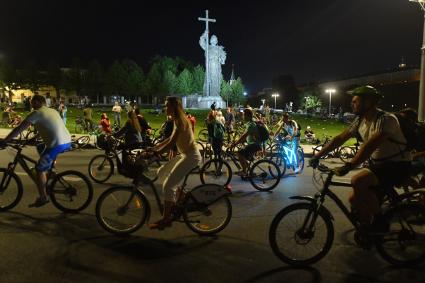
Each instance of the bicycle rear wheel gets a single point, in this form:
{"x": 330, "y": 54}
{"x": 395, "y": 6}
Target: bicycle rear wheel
{"x": 71, "y": 191}
{"x": 297, "y": 237}
{"x": 404, "y": 241}
{"x": 11, "y": 189}
{"x": 122, "y": 210}
{"x": 207, "y": 218}
{"x": 264, "y": 175}
{"x": 101, "y": 168}
{"x": 217, "y": 172}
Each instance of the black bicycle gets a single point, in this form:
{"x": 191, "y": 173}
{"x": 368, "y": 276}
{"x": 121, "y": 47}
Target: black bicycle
{"x": 123, "y": 209}
{"x": 303, "y": 233}
{"x": 70, "y": 191}
{"x": 263, "y": 174}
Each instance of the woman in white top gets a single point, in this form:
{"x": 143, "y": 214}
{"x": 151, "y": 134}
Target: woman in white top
{"x": 179, "y": 166}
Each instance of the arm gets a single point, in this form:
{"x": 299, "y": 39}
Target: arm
{"x": 16, "y": 131}
{"x": 241, "y": 139}
{"x": 419, "y": 155}
{"x": 168, "y": 143}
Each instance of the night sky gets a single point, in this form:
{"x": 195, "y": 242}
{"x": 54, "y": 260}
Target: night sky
{"x": 313, "y": 40}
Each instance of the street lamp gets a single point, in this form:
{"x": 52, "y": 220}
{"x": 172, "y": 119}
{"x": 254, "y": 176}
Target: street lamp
{"x": 330, "y": 91}
{"x": 275, "y": 95}
{"x": 421, "y": 108}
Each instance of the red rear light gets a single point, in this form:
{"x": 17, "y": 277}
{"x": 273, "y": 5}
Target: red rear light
{"x": 228, "y": 188}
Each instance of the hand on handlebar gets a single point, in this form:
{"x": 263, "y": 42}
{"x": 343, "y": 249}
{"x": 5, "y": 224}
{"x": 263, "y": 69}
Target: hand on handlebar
{"x": 314, "y": 162}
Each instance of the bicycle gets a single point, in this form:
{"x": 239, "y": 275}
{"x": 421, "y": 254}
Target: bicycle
{"x": 264, "y": 174}
{"x": 101, "y": 167}
{"x": 64, "y": 189}
{"x": 286, "y": 154}
{"x": 396, "y": 225}
{"x": 80, "y": 125}
{"x": 346, "y": 153}
{"x": 123, "y": 209}
{"x": 334, "y": 153}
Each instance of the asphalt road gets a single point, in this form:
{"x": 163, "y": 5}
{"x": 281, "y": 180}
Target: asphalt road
{"x": 44, "y": 245}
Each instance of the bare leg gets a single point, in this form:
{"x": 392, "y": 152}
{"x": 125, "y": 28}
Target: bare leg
{"x": 363, "y": 198}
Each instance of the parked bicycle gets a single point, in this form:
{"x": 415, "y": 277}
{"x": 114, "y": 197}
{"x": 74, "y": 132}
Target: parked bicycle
{"x": 303, "y": 233}
{"x": 69, "y": 191}
{"x": 123, "y": 209}
{"x": 333, "y": 154}
{"x": 263, "y": 174}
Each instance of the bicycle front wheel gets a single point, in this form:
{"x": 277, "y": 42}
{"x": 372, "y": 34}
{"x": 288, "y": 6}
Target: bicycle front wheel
{"x": 71, "y": 191}
{"x": 207, "y": 219}
{"x": 264, "y": 175}
{"x": 10, "y": 189}
{"x": 121, "y": 210}
{"x": 83, "y": 141}
{"x": 217, "y": 172}
{"x": 298, "y": 236}
{"x": 101, "y": 168}
{"x": 404, "y": 241}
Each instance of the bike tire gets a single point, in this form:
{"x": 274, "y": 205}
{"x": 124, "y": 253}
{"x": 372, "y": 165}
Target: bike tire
{"x": 203, "y": 135}
{"x": 62, "y": 192}
{"x": 106, "y": 166}
{"x": 301, "y": 160}
{"x": 83, "y": 141}
{"x": 6, "y": 187}
{"x": 267, "y": 170}
{"x": 346, "y": 153}
{"x": 115, "y": 222}
{"x": 408, "y": 239}
{"x": 275, "y": 240}
{"x": 203, "y": 219}
{"x": 212, "y": 172}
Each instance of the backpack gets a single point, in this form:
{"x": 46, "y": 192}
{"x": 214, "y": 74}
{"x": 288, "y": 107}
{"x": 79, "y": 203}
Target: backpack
{"x": 219, "y": 130}
{"x": 413, "y": 132}
{"x": 263, "y": 132}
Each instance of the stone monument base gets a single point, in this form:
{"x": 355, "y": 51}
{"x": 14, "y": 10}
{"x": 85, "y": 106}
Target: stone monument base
{"x": 203, "y": 102}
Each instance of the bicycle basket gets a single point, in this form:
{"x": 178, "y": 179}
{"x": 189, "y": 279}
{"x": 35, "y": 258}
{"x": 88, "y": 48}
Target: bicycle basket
{"x": 132, "y": 165}
{"x": 102, "y": 142}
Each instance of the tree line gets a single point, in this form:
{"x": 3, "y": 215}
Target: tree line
{"x": 164, "y": 76}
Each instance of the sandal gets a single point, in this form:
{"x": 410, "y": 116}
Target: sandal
{"x": 160, "y": 224}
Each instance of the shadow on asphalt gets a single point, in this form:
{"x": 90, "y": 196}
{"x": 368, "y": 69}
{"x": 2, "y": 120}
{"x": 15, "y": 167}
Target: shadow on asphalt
{"x": 285, "y": 274}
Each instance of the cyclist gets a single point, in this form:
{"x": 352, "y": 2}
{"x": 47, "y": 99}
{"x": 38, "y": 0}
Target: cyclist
{"x": 144, "y": 126}
{"x": 131, "y": 132}
{"x": 215, "y": 133}
{"x": 289, "y": 127}
{"x": 384, "y": 143}
{"x": 56, "y": 138}
{"x": 179, "y": 166}
{"x": 251, "y": 137}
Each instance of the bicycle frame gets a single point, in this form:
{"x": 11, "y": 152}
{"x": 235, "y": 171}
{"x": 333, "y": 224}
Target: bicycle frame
{"x": 288, "y": 152}
{"x": 21, "y": 159}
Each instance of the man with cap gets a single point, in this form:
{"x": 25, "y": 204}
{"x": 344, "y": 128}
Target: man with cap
{"x": 383, "y": 144}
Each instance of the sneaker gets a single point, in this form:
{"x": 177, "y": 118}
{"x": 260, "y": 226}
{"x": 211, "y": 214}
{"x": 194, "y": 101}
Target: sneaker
{"x": 39, "y": 202}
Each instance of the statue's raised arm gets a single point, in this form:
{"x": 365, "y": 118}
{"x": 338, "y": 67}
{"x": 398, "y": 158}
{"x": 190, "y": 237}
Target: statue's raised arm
{"x": 203, "y": 40}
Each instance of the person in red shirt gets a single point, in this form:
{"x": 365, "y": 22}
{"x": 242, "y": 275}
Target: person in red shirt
{"x": 192, "y": 121}
{"x": 105, "y": 124}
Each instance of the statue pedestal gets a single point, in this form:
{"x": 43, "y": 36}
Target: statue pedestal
{"x": 203, "y": 102}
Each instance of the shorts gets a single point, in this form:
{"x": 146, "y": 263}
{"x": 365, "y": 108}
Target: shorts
{"x": 390, "y": 174}
{"x": 249, "y": 151}
{"x": 49, "y": 155}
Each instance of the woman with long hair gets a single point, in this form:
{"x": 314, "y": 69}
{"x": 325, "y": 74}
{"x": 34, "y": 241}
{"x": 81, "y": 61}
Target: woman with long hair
{"x": 179, "y": 166}
{"x": 131, "y": 132}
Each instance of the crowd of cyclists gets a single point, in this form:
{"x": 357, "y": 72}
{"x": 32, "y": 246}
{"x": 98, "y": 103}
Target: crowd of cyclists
{"x": 393, "y": 145}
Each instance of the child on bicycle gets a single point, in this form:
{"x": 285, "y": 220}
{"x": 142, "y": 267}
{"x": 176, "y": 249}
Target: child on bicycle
{"x": 56, "y": 139}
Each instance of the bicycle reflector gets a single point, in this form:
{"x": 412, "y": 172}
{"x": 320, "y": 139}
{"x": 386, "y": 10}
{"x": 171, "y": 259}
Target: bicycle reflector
{"x": 228, "y": 188}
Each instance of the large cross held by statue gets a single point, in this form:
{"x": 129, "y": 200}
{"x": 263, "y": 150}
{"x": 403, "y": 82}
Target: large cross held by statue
{"x": 207, "y": 21}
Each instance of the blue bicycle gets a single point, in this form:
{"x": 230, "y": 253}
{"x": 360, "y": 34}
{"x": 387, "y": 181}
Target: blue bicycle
{"x": 287, "y": 155}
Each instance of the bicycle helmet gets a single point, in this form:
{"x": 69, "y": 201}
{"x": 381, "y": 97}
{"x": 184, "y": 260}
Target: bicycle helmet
{"x": 366, "y": 91}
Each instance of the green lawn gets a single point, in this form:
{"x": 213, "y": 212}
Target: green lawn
{"x": 320, "y": 127}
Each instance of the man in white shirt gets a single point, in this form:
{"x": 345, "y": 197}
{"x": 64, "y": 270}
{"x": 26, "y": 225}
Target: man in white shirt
{"x": 56, "y": 138}
{"x": 117, "y": 114}
{"x": 384, "y": 143}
